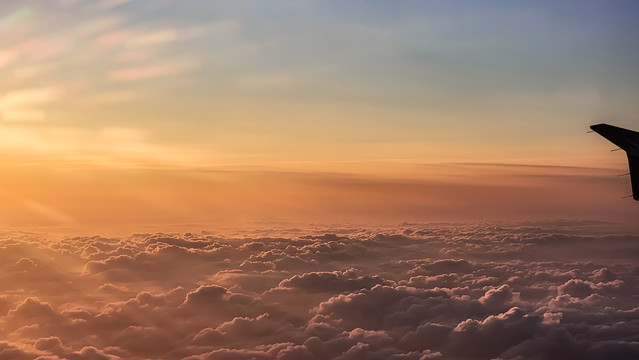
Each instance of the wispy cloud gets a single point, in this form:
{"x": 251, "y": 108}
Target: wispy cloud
{"x": 110, "y": 4}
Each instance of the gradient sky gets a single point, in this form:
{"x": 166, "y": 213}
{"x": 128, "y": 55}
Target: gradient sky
{"x": 134, "y": 112}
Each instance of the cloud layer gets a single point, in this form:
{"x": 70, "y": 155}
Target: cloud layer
{"x": 551, "y": 290}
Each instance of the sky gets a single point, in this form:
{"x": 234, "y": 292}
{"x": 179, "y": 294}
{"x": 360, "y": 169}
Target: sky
{"x": 118, "y": 114}
{"x": 317, "y": 180}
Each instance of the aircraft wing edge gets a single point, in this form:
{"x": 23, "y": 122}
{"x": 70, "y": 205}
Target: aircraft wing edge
{"x": 633, "y": 163}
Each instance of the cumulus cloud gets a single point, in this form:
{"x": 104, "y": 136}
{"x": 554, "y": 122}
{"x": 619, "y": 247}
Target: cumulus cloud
{"x": 448, "y": 291}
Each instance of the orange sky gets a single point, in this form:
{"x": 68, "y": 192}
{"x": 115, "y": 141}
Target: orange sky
{"x": 103, "y": 200}
{"x": 117, "y": 115}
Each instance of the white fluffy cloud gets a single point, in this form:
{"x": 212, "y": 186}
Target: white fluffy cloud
{"x": 509, "y": 291}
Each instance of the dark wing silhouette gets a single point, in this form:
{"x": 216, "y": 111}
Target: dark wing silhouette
{"x": 634, "y": 175}
{"x": 627, "y": 140}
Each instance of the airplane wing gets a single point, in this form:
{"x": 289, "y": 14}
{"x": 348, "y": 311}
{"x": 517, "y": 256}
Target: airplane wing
{"x": 633, "y": 161}
{"x": 627, "y": 140}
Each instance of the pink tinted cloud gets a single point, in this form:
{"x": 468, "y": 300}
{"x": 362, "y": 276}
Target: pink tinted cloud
{"x": 350, "y": 293}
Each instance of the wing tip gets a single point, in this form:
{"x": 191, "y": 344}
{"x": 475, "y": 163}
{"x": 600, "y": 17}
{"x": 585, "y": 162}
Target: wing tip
{"x": 598, "y": 126}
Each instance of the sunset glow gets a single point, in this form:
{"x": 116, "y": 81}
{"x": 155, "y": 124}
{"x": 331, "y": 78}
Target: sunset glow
{"x": 147, "y": 91}
{"x": 161, "y": 156}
